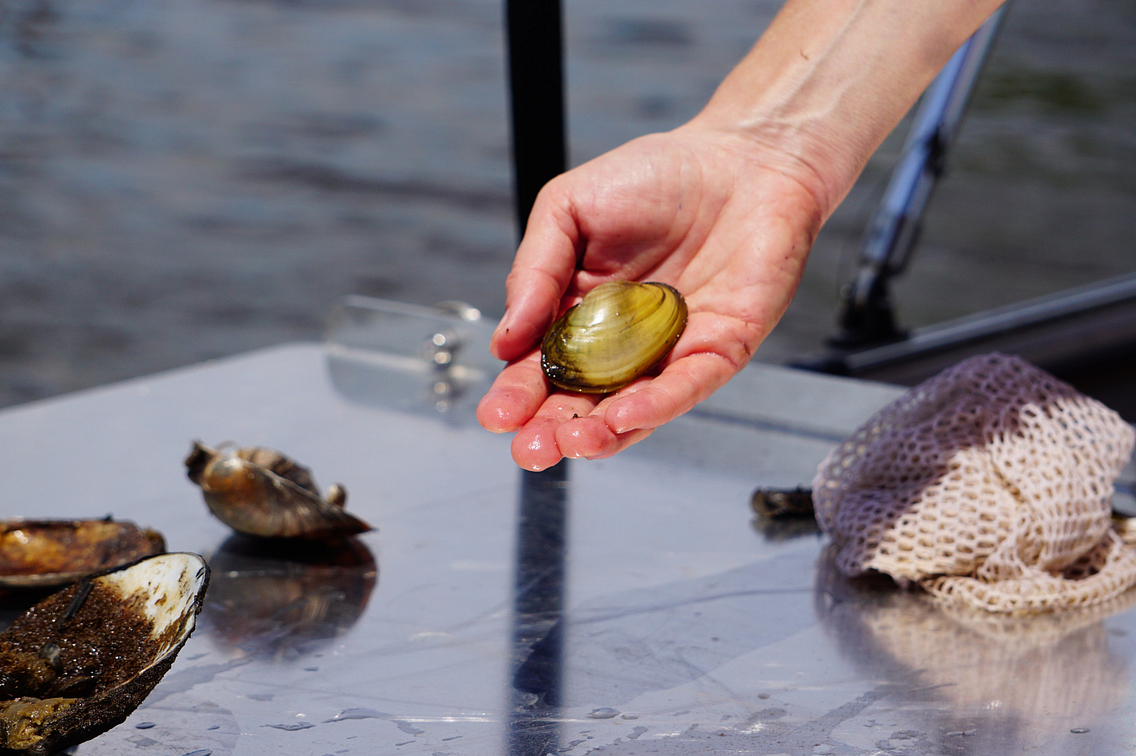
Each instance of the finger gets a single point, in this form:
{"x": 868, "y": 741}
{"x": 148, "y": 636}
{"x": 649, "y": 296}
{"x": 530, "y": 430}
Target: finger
{"x": 541, "y": 273}
{"x": 534, "y": 447}
{"x": 585, "y": 437}
{"x": 680, "y": 386}
{"x": 625, "y": 440}
{"x": 589, "y": 437}
{"x": 711, "y": 351}
{"x": 515, "y": 396}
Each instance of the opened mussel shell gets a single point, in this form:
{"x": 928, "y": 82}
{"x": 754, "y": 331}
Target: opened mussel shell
{"x": 618, "y": 332}
{"x": 260, "y": 492}
{"x": 51, "y": 553}
{"x": 77, "y": 663}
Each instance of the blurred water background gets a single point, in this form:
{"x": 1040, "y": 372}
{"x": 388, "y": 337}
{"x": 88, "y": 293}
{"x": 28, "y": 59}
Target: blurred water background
{"x": 187, "y": 179}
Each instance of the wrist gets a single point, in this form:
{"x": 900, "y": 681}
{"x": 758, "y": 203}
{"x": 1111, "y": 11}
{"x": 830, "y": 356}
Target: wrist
{"x": 758, "y": 153}
{"x": 830, "y": 79}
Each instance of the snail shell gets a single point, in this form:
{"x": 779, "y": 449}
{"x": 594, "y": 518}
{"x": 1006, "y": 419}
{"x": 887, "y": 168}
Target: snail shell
{"x": 260, "y": 492}
{"x": 618, "y": 332}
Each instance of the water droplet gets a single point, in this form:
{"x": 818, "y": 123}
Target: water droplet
{"x": 141, "y": 741}
{"x": 630, "y": 716}
{"x": 408, "y": 728}
{"x": 1079, "y": 730}
{"x": 292, "y": 726}
{"x": 144, "y": 725}
{"x": 603, "y": 713}
{"x": 358, "y": 714}
{"x": 200, "y": 752}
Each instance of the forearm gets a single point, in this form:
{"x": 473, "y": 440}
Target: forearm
{"x": 830, "y": 79}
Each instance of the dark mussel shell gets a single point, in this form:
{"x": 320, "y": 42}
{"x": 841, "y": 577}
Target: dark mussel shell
{"x": 781, "y": 513}
{"x": 50, "y": 553}
{"x": 80, "y": 661}
{"x": 260, "y": 492}
{"x": 783, "y": 503}
{"x": 618, "y": 332}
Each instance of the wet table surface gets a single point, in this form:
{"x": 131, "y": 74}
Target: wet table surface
{"x": 630, "y": 605}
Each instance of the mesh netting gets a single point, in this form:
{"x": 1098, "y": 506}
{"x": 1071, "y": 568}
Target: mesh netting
{"x": 990, "y": 484}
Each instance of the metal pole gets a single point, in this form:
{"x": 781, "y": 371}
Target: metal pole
{"x": 536, "y": 87}
{"x": 866, "y": 316}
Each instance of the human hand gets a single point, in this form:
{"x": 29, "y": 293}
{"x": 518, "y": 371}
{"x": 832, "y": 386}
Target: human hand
{"x": 713, "y": 213}
{"x": 723, "y": 208}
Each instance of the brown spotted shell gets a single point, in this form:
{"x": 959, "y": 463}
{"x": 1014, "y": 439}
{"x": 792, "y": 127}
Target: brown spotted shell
{"x": 618, "y": 332}
{"x": 80, "y": 661}
{"x": 36, "y": 554}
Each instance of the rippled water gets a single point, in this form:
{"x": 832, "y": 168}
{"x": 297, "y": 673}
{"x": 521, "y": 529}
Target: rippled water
{"x": 185, "y": 179}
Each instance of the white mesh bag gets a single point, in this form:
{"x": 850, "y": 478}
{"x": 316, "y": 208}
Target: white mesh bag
{"x": 990, "y": 483}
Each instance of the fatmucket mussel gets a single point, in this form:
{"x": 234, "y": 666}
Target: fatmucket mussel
{"x": 260, "y": 492}
{"x": 618, "y": 332}
{"x": 51, "y": 553}
{"x": 77, "y": 663}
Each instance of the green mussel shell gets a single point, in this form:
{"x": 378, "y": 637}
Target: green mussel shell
{"x": 618, "y": 332}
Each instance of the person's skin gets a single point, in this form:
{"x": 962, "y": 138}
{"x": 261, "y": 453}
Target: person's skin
{"x": 725, "y": 208}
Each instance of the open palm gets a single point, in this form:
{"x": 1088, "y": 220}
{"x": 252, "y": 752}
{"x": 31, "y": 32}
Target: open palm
{"x": 694, "y": 208}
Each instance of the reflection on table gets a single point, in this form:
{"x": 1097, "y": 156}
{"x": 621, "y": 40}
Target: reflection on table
{"x": 279, "y": 598}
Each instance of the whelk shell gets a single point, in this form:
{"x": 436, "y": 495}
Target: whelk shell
{"x": 618, "y": 332}
{"x": 52, "y": 553}
{"x": 77, "y": 663}
{"x": 260, "y": 492}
